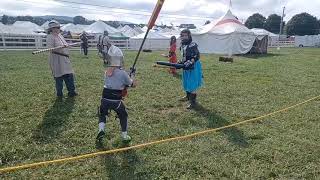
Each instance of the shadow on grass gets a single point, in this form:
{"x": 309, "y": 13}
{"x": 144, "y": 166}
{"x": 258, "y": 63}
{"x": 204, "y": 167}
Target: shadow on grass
{"x": 257, "y": 56}
{"x": 54, "y": 120}
{"x": 215, "y": 121}
{"x": 119, "y": 165}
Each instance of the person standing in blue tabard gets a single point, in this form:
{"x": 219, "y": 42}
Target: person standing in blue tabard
{"x": 192, "y": 77}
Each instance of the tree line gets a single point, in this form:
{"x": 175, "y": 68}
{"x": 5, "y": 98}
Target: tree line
{"x": 40, "y": 20}
{"x": 300, "y": 24}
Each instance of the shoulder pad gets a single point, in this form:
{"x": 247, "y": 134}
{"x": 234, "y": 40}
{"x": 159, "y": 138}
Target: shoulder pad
{"x": 193, "y": 44}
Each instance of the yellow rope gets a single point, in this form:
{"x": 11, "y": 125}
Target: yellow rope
{"x": 90, "y": 155}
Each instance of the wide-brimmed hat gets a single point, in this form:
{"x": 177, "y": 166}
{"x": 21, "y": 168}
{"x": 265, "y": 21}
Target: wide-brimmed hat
{"x": 53, "y": 24}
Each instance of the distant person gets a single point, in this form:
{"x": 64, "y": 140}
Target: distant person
{"x": 59, "y": 60}
{"x": 101, "y": 45}
{"x": 172, "y": 54}
{"x": 84, "y": 43}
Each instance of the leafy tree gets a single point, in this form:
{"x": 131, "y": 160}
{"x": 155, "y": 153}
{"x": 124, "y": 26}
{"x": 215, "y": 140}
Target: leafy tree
{"x": 24, "y": 18}
{"x": 319, "y": 26}
{"x": 255, "y": 21}
{"x": 79, "y": 20}
{"x": 303, "y": 24}
{"x": 273, "y": 23}
{"x": 5, "y": 19}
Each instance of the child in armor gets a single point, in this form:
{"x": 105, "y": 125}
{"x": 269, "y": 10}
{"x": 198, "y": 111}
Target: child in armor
{"x": 116, "y": 82}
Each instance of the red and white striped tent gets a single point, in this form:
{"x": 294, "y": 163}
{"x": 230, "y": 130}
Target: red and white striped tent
{"x": 226, "y": 36}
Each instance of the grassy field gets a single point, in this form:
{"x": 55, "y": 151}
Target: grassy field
{"x": 35, "y": 127}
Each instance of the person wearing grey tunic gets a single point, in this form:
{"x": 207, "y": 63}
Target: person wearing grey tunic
{"x": 102, "y": 43}
{"x": 115, "y": 84}
{"x": 59, "y": 61}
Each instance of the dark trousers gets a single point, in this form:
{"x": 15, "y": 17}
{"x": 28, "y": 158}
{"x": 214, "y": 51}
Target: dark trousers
{"x": 118, "y": 107}
{"x": 85, "y": 49}
{"x": 69, "y": 81}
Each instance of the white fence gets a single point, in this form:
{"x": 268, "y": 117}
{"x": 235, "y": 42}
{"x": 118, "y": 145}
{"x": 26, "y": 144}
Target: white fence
{"x": 281, "y": 44}
{"x": 11, "y": 41}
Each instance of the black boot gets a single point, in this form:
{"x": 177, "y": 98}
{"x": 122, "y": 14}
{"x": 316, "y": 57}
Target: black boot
{"x": 100, "y": 135}
{"x": 186, "y": 98}
{"x": 192, "y": 101}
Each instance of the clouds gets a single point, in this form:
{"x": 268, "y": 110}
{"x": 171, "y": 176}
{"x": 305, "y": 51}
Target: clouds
{"x": 138, "y": 11}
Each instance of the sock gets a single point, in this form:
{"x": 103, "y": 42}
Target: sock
{"x": 124, "y": 134}
{"x": 101, "y": 126}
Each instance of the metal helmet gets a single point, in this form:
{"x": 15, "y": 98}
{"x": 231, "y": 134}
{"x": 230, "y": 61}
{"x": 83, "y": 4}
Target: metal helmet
{"x": 115, "y": 57}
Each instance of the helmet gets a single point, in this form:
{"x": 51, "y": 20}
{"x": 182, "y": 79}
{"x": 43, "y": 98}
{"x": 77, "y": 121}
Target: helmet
{"x": 115, "y": 57}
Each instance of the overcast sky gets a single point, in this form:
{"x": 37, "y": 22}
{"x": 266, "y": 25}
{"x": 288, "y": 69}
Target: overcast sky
{"x": 173, "y": 11}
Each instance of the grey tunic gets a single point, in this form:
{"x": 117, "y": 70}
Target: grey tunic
{"x": 60, "y": 65}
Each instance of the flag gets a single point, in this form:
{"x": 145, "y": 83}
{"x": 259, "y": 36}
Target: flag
{"x": 155, "y": 13}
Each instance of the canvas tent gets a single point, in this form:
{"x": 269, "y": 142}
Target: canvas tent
{"x": 130, "y": 33}
{"x": 154, "y": 41}
{"x": 28, "y": 25}
{"x": 99, "y": 27}
{"x": 125, "y": 28}
{"x": 272, "y": 38}
{"x": 307, "y": 41}
{"x": 79, "y": 28}
{"x": 225, "y": 36}
{"x": 139, "y": 30}
{"x": 263, "y": 32}
{"x": 14, "y": 30}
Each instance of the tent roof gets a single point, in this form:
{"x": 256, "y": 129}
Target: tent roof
{"x": 119, "y": 27}
{"x": 100, "y": 27}
{"x": 130, "y": 33}
{"x": 138, "y": 29}
{"x": 227, "y": 24}
{"x": 79, "y": 28}
{"x": 259, "y": 32}
{"x": 45, "y": 24}
{"x": 144, "y": 29}
{"x": 125, "y": 28}
{"x": 10, "y": 29}
{"x": 151, "y": 35}
{"x": 27, "y": 25}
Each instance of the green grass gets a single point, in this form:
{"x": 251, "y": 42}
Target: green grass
{"x": 34, "y": 127}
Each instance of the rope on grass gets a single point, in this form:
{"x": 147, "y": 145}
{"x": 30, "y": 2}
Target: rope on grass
{"x": 90, "y": 155}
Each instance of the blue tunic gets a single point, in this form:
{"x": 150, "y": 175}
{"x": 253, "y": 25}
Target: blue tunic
{"x": 192, "y": 79}
{"x": 192, "y": 76}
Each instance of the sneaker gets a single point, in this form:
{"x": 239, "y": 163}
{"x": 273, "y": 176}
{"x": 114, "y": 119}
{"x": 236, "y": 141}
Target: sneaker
{"x": 126, "y": 139}
{"x": 191, "y": 106}
{"x": 185, "y": 98}
{"x": 100, "y": 135}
